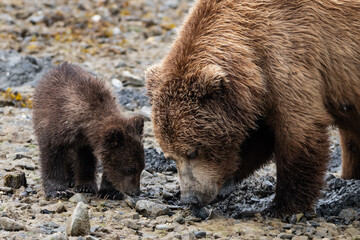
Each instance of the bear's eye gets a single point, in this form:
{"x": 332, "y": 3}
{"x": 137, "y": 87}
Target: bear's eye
{"x": 192, "y": 154}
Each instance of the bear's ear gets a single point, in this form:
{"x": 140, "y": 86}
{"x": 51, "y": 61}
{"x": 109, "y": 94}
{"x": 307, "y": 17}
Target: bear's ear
{"x": 114, "y": 137}
{"x": 213, "y": 78}
{"x": 153, "y": 80}
{"x": 138, "y": 122}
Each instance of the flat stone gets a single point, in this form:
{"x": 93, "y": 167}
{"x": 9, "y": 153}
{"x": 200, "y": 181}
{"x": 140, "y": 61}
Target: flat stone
{"x": 285, "y": 236}
{"x": 129, "y": 79}
{"x": 151, "y": 209}
{"x": 58, "y": 236}
{"x": 200, "y": 234}
{"x": 348, "y": 214}
{"x": 165, "y": 227}
{"x": 352, "y": 231}
{"x": 131, "y": 224}
{"x": 77, "y": 197}
{"x": 300, "y": 238}
{"x": 9, "y": 224}
{"x": 79, "y": 223}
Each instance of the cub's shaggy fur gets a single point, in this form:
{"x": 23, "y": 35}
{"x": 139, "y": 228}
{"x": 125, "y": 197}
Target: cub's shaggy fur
{"x": 248, "y": 80}
{"x": 77, "y": 122}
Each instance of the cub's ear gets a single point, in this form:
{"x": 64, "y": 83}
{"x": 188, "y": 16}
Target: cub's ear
{"x": 153, "y": 80}
{"x": 114, "y": 137}
{"x": 213, "y": 78}
{"x": 138, "y": 122}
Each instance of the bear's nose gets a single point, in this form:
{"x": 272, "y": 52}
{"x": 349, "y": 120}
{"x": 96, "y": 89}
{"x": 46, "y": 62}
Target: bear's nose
{"x": 190, "y": 199}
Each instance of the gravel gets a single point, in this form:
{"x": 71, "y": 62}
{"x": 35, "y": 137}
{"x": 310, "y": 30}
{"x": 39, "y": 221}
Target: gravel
{"x": 127, "y": 37}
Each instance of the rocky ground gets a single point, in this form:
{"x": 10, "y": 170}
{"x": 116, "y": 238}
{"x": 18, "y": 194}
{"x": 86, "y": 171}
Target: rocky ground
{"x": 118, "y": 40}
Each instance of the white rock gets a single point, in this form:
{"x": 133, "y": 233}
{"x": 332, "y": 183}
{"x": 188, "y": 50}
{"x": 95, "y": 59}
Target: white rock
{"x": 96, "y": 18}
{"x": 116, "y": 83}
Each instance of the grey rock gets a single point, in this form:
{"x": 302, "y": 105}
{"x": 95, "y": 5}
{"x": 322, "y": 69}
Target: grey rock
{"x": 180, "y": 219}
{"x": 79, "y": 223}
{"x": 151, "y": 209}
{"x": 58, "y": 236}
{"x": 285, "y": 236}
{"x": 17, "y": 70}
{"x": 77, "y": 197}
{"x": 9, "y": 224}
{"x": 322, "y": 232}
{"x": 188, "y": 236}
{"x": 200, "y": 234}
{"x": 300, "y": 238}
{"x": 349, "y": 215}
{"x": 90, "y": 238}
{"x": 313, "y": 223}
{"x": 131, "y": 224}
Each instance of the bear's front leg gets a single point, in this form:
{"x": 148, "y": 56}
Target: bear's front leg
{"x": 301, "y": 156}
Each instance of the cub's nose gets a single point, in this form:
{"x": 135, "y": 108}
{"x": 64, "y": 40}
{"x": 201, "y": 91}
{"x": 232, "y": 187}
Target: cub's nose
{"x": 190, "y": 199}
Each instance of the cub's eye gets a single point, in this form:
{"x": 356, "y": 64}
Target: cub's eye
{"x": 192, "y": 154}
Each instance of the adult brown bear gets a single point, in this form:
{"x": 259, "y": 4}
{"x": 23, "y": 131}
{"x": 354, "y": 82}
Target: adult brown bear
{"x": 246, "y": 80}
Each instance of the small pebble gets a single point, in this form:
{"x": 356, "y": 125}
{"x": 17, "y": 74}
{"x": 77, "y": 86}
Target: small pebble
{"x": 165, "y": 227}
{"x": 313, "y": 223}
{"x": 60, "y": 207}
{"x": 200, "y": 234}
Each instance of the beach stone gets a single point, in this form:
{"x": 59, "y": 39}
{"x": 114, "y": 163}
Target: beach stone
{"x": 77, "y": 197}
{"x": 58, "y": 236}
{"x": 9, "y": 224}
{"x": 15, "y": 180}
{"x": 79, "y": 223}
{"x": 151, "y": 209}
{"x": 165, "y": 227}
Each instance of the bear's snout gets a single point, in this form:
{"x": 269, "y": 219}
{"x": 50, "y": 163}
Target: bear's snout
{"x": 190, "y": 198}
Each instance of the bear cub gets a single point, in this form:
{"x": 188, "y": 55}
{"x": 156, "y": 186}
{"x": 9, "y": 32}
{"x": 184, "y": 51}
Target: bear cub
{"x": 77, "y": 122}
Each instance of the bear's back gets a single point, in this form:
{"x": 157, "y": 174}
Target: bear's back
{"x": 68, "y": 98}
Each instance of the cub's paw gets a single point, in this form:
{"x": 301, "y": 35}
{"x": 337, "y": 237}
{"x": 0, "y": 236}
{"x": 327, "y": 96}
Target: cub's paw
{"x": 110, "y": 194}
{"x": 86, "y": 188}
{"x": 64, "y": 194}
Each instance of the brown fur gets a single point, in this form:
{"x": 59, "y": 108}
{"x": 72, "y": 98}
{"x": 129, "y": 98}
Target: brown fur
{"x": 77, "y": 121}
{"x": 248, "y": 79}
